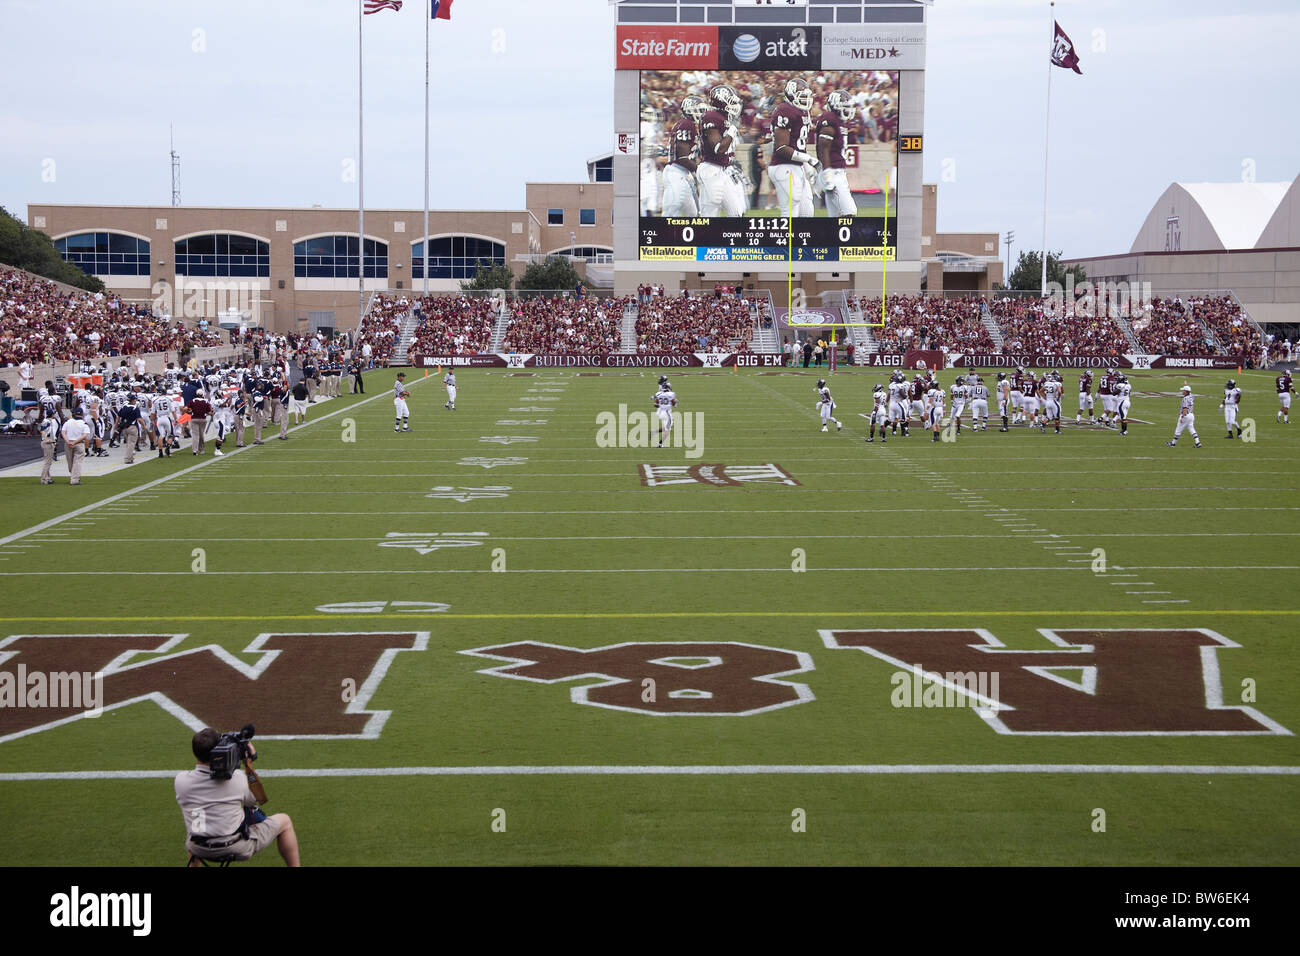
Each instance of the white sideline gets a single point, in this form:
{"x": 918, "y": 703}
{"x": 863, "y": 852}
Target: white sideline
{"x": 685, "y": 770}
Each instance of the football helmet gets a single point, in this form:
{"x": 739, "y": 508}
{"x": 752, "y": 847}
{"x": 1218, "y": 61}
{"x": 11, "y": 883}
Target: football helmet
{"x": 693, "y": 107}
{"x": 664, "y": 386}
{"x": 960, "y": 380}
{"x": 841, "y": 105}
{"x": 798, "y": 92}
{"x": 1002, "y": 377}
{"x": 821, "y": 383}
{"x": 878, "y": 388}
{"x": 1110, "y": 371}
{"x": 726, "y": 99}
{"x": 1020, "y": 369}
{"x": 663, "y": 379}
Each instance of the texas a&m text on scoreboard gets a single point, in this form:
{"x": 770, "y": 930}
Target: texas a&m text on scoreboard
{"x": 768, "y": 239}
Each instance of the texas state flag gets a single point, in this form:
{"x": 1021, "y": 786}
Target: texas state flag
{"x": 442, "y": 9}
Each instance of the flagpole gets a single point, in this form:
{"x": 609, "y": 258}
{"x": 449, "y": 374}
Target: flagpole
{"x": 361, "y": 173}
{"x": 1047, "y": 140}
{"x": 428, "y": 17}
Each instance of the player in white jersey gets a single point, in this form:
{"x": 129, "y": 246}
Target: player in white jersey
{"x": 979, "y": 405}
{"x": 899, "y": 400}
{"x": 223, "y": 415}
{"x": 163, "y": 423}
{"x": 1122, "y": 402}
{"x": 826, "y": 405}
{"x": 1051, "y": 391}
{"x": 1005, "y": 405}
{"x": 932, "y": 403}
{"x": 449, "y": 381}
{"x": 1230, "y": 405}
{"x": 1017, "y": 395}
{"x": 1186, "y": 417}
{"x": 879, "y": 412}
{"x": 664, "y": 401}
{"x": 960, "y": 395}
{"x": 401, "y": 414}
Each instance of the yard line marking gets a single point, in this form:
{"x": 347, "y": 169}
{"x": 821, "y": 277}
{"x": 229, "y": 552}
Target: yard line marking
{"x": 1147, "y": 592}
{"x": 653, "y": 615}
{"x": 72, "y": 516}
{"x": 687, "y": 770}
{"x": 1165, "y": 602}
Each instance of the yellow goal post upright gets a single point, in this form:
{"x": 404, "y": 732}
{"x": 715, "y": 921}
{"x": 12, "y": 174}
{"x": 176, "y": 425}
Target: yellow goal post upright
{"x": 809, "y": 320}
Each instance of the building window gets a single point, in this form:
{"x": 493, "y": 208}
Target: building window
{"x": 335, "y": 257}
{"x": 456, "y": 257}
{"x": 605, "y": 170}
{"x": 593, "y": 253}
{"x": 586, "y": 217}
{"x": 555, "y": 217}
{"x": 223, "y": 255}
{"x": 106, "y": 253}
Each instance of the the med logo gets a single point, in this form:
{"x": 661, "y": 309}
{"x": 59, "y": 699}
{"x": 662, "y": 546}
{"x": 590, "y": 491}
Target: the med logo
{"x": 1091, "y": 682}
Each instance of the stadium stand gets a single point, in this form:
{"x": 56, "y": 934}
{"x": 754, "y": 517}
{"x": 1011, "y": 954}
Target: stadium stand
{"x": 694, "y": 323}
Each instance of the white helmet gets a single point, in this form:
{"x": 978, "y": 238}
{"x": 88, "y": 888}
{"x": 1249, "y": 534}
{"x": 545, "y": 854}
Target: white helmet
{"x": 726, "y": 99}
{"x": 798, "y": 92}
{"x": 841, "y": 104}
{"x": 693, "y": 107}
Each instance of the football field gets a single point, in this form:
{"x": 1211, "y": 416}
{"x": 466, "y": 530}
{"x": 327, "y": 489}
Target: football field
{"x": 523, "y": 634}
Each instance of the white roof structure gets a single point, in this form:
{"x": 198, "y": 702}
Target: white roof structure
{"x": 1210, "y": 217}
{"x": 1283, "y": 230}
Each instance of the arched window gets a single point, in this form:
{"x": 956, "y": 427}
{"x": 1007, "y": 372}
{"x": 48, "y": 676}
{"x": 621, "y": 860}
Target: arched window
{"x": 335, "y": 257}
{"x": 456, "y": 257}
{"x": 223, "y": 254}
{"x": 106, "y": 253}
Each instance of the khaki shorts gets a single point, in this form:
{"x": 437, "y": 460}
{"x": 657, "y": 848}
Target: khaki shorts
{"x": 260, "y": 836}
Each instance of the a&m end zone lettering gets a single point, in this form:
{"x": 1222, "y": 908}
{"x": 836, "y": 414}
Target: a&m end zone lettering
{"x": 1136, "y": 682}
{"x": 724, "y": 678}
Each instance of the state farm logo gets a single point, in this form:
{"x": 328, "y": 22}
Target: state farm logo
{"x": 667, "y": 46}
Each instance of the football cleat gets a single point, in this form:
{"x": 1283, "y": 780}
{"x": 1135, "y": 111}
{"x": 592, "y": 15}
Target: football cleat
{"x": 840, "y": 103}
{"x": 798, "y": 92}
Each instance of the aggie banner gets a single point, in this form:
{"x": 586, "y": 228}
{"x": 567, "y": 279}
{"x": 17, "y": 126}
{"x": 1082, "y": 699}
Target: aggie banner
{"x": 659, "y": 360}
{"x": 1125, "y": 360}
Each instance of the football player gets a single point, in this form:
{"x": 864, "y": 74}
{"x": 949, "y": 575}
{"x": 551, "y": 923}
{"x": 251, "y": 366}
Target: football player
{"x": 1029, "y": 398}
{"x": 664, "y": 401}
{"x": 1085, "y": 398}
{"x": 960, "y": 394}
{"x": 1005, "y": 406}
{"x": 1107, "y": 396}
{"x": 721, "y": 193}
{"x": 921, "y": 383}
{"x": 402, "y": 415}
{"x": 1017, "y": 394}
{"x": 1122, "y": 402}
{"x": 899, "y": 391}
{"x": 1186, "y": 418}
{"x": 162, "y": 422}
{"x": 1284, "y": 393}
{"x": 879, "y": 412}
{"x": 680, "y": 197}
{"x": 1051, "y": 389}
{"x": 933, "y": 407}
{"x": 791, "y": 163}
{"x": 1230, "y": 404}
{"x": 832, "y": 149}
{"x": 826, "y": 405}
{"x": 449, "y": 382}
{"x": 979, "y": 405}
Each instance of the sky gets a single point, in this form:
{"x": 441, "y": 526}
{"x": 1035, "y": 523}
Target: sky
{"x": 262, "y": 95}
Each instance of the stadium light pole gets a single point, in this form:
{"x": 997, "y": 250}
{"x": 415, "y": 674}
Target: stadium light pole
{"x": 361, "y": 171}
{"x": 1010, "y": 239}
{"x": 428, "y": 17}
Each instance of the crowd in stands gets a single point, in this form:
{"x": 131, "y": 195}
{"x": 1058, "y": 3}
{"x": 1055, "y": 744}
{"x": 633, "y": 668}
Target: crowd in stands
{"x": 1026, "y": 326}
{"x": 382, "y": 327}
{"x": 693, "y": 323}
{"x": 1229, "y": 323}
{"x": 40, "y": 323}
{"x": 453, "y": 325}
{"x": 1167, "y": 327}
{"x": 950, "y": 324}
{"x": 557, "y": 325}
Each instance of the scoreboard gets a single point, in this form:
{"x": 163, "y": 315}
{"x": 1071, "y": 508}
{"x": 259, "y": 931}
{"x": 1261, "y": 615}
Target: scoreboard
{"x": 768, "y": 239}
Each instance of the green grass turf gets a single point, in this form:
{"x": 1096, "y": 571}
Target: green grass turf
{"x": 319, "y": 504}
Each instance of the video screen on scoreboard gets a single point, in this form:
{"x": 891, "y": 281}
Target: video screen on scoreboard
{"x": 733, "y": 185}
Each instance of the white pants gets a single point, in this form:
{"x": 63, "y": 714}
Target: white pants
{"x": 933, "y": 416}
{"x": 400, "y": 409}
{"x": 918, "y": 409}
{"x": 1188, "y": 422}
{"x": 979, "y": 408}
{"x": 679, "y": 192}
{"x": 665, "y": 419}
{"x": 1085, "y": 402}
{"x": 796, "y": 201}
{"x": 1230, "y": 415}
{"x": 1122, "y": 405}
{"x": 1030, "y": 405}
{"x": 720, "y": 195}
{"x": 958, "y": 408}
{"x": 1017, "y": 399}
{"x": 451, "y": 394}
{"x": 827, "y": 408}
{"x": 1285, "y": 399}
{"x": 898, "y": 411}
{"x": 1051, "y": 410}
{"x": 879, "y": 416}
{"x": 1108, "y": 403}
{"x": 839, "y": 198}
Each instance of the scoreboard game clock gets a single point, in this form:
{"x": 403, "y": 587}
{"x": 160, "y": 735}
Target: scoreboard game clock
{"x": 774, "y": 239}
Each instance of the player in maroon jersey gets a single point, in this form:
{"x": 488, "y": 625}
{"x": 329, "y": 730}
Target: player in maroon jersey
{"x": 791, "y": 166}
{"x": 1085, "y": 398}
{"x": 680, "y": 198}
{"x": 1284, "y": 393}
{"x": 721, "y": 191}
{"x": 1104, "y": 393}
{"x": 832, "y": 149}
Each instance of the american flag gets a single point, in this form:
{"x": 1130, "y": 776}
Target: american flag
{"x": 374, "y": 6}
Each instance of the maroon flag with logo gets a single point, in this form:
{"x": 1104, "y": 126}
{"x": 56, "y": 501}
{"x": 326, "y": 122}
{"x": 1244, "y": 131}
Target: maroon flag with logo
{"x": 1063, "y": 54}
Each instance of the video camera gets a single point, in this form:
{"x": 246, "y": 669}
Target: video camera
{"x": 231, "y": 752}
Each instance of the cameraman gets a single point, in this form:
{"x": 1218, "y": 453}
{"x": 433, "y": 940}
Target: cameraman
{"x": 221, "y": 816}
